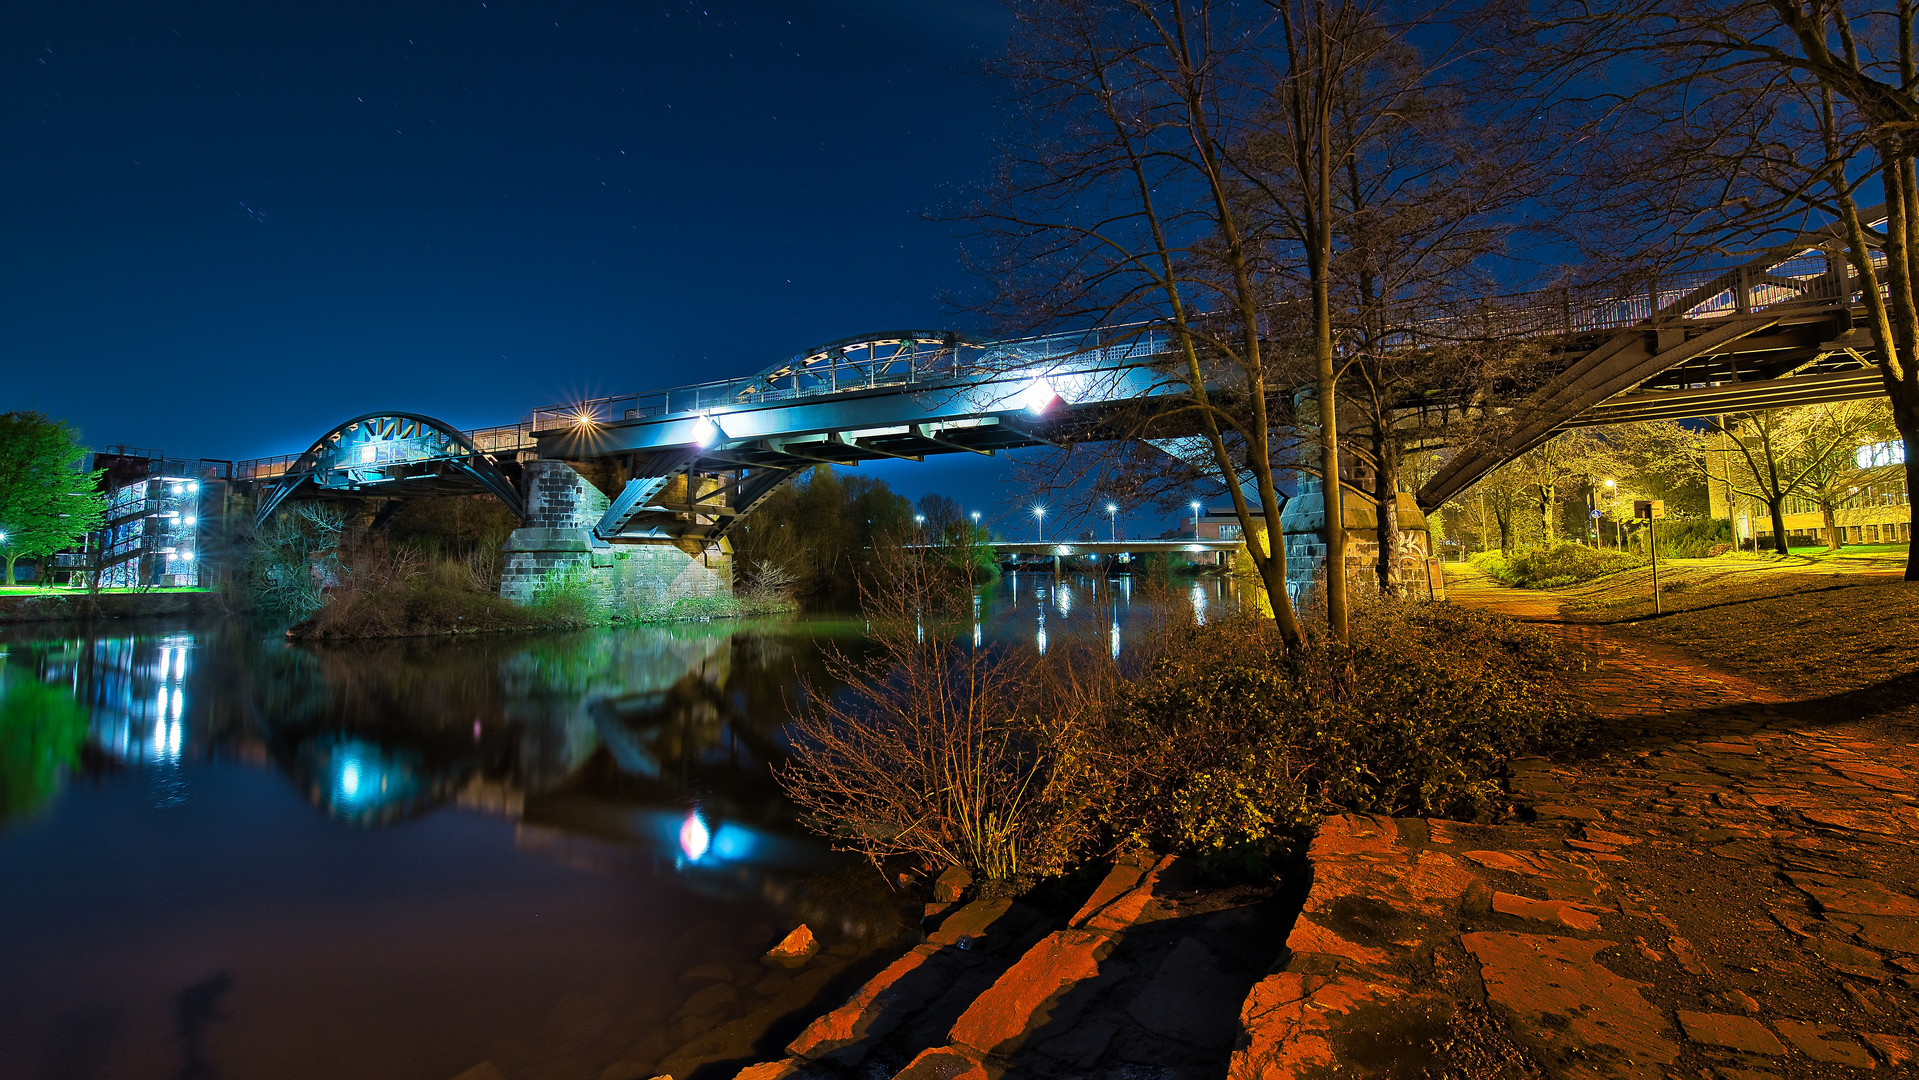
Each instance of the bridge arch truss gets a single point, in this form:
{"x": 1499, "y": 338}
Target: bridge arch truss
{"x": 392, "y": 454}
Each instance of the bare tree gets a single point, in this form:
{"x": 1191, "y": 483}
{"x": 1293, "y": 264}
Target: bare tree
{"x": 1781, "y": 452}
{"x": 1420, "y": 207}
{"x": 1116, "y": 208}
{"x": 1241, "y": 178}
{"x": 1753, "y": 122}
{"x": 1835, "y": 478}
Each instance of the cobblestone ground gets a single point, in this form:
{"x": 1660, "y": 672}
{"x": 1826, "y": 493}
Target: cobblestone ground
{"x": 1749, "y": 860}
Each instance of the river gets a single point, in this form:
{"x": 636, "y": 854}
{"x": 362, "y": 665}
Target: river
{"x": 222, "y": 854}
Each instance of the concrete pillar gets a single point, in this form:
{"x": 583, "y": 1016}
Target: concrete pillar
{"x": 627, "y": 578}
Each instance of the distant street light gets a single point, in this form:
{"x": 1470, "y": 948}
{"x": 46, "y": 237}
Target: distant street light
{"x": 976, "y": 517}
{"x": 1195, "y": 519}
{"x": 1039, "y": 515}
{"x": 1112, "y": 514}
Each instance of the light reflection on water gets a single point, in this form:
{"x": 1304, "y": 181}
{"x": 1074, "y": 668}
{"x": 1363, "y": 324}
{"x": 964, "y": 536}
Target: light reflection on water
{"x": 640, "y": 755}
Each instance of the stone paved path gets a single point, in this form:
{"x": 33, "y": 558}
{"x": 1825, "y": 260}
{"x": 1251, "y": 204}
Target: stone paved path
{"x": 1760, "y": 854}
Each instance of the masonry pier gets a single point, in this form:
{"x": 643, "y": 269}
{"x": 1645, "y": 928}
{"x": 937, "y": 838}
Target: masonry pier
{"x": 556, "y": 543}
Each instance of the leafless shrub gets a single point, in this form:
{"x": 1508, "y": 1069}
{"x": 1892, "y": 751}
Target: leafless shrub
{"x": 930, "y": 750}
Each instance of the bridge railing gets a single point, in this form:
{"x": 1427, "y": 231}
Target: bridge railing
{"x": 1100, "y": 348}
{"x": 1808, "y": 278}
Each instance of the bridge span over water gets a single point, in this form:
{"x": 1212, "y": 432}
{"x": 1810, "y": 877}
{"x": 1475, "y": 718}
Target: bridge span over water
{"x": 682, "y": 466}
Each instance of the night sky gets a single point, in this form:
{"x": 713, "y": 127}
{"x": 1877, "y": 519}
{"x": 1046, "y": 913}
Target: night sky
{"x": 230, "y": 227}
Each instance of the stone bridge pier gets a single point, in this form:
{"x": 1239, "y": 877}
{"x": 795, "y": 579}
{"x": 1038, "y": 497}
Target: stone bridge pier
{"x": 1304, "y": 522}
{"x": 556, "y": 542}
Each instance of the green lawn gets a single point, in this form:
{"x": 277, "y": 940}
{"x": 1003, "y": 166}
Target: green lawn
{"x": 62, "y": 590}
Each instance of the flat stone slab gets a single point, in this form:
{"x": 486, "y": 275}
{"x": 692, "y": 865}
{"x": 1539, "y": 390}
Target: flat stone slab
{"x": 1564, "y": 999}
{"x": 1854, "y": 896}
{"x": 1564, "y": 912}
{"x": 1290, "y": 1021}
{"x": 877, "y": 1008}
{"x": 945, "y": 1063}
{"x": 1185, "y": 1000}
{"x": 1741, "y": 1033}
{"x": 1020, "y": 1001}
{"x": 1822, "y": 1043}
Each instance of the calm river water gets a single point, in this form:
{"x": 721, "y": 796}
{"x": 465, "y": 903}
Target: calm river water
{"x": 225, "y": 855}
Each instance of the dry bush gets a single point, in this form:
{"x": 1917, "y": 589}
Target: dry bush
{"x": 929, "y": 750}
{"x": 1232, "y": 742}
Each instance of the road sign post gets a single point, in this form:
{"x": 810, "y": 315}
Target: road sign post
{"x": 1650, "y": 511}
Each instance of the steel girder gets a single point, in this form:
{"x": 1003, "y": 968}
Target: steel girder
{"x": 391, "y": 453}
{"x": 1698, "y": 353}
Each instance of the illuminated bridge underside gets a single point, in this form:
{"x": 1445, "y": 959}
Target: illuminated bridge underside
{"x": 1776, "y": 331}
{"x": 391, "y": 454}
{"x": 754, "y": 434}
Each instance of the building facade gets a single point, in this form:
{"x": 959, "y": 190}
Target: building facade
{"x": 1875, "y": 509}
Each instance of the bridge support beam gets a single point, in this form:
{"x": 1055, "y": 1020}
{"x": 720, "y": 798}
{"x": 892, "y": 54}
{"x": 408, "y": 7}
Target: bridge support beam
{"x": 1304, "y": 524}
{"x": 556, "y": 544}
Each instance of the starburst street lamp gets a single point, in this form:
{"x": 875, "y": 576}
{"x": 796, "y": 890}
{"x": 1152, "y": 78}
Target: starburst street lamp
{"x": 1112, "y": 515}
{"x": 1039, "y": 515}
{"x": 1195, "y": 505}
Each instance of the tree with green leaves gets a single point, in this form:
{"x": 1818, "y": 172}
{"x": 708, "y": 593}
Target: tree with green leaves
{"x": 46, "y": 501}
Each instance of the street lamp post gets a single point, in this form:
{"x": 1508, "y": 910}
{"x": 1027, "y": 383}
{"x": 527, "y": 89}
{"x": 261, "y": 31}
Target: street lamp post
{"x": 1112, "y": 515}
{"x": 1612, "y": 497}
{"x": 1195, "y": 506}
{"x": 1039, "y": 516}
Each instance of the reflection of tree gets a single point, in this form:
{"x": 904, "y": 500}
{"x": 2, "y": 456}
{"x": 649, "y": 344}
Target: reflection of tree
{"x": 41, "y": 731}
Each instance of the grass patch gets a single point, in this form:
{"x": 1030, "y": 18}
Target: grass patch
{"x": 688, "y": 608}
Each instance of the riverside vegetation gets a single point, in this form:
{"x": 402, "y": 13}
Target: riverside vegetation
{"x": 1215, "y": 740}
{"x": 435, "y": 569}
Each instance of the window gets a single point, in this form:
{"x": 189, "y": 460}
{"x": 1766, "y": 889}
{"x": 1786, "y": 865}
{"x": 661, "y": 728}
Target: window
{"x": 1884, "y": 453}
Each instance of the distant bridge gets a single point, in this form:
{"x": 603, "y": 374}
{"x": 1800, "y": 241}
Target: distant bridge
{"x": 1107, "y": 547}
{"x": 1780, "y": 329}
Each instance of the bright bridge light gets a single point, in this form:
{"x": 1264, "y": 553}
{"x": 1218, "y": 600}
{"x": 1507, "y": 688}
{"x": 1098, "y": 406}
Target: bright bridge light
{"x": 705, "y": 431}
{"x": 1037, "y": 397}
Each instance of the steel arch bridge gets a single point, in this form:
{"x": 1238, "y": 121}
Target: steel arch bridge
{"x": 690, "y": 462}
{"x": 390, "y": 453}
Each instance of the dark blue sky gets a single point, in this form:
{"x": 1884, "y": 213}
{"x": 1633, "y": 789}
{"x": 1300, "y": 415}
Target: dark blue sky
{"x": 229, "y": 227}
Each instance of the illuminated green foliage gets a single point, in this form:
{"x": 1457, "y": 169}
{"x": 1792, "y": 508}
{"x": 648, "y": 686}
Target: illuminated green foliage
{"x": 41, "y": 731}
{"x": 46, "y": 502}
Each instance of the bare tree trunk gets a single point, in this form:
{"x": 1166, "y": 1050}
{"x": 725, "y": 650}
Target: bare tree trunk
{"x": 1778, "y": 508}
{"x": 1832, "y": 526}
{"x": 1386, "y": 506}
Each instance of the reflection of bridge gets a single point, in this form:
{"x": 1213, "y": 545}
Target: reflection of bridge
{"x": 683, "y": 466}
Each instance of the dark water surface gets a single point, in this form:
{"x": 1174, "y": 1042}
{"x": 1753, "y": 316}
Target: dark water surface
{"x": 222, "y": 855}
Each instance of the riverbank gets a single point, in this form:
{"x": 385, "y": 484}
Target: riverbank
{"x": 1729, "y": 889}
{"x": 27, "y": 604}
{"x": 433, "y": 614}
